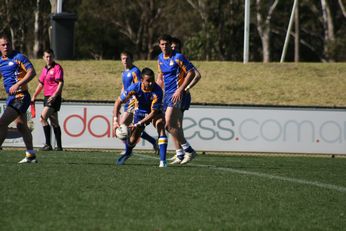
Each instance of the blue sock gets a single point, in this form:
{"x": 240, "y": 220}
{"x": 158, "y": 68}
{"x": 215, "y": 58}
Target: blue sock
{"x": 163, "y": 147}
{"x": 128, "y": 148}
{"x": 149, "y": 138}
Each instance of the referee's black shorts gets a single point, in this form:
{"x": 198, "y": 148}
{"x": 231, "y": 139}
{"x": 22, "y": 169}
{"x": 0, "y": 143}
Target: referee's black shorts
{"x": 56, "y": 104}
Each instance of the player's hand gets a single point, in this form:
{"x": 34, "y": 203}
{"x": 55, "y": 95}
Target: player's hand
{"x": 177, "y": 96}
{"x": 51, "y": 99}
{"x": 13, "y": 89}
{"x": 115, "y": 126}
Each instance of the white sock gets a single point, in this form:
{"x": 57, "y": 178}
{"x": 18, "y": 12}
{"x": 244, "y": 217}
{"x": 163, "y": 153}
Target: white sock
{"x": 185, "y": 146}
{"x": 179, "y": 152}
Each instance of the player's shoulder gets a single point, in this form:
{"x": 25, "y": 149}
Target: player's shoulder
{"x": 18, "y": 56}
{"x": 178, "y": 55}
{"x": 57, "y": 66}
{"x": 135, "y": 86}
{"x": 157, "y": 89}
{"x": 135, "y": 69}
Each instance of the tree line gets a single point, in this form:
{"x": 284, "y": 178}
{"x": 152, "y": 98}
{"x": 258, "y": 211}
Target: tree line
{"x": 209, "y": 29}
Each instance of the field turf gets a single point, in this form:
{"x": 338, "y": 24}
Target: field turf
{"x": 85, "y": 190}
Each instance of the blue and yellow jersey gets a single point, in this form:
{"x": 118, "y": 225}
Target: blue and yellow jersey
{"x": 12, "y": 69}
{"x": 146, "y": 101}
{"x": 174, "y": 70}
{"x": 130, "y": 76}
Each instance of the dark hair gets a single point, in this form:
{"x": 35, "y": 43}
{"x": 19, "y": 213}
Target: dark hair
{"x": 149, "y": 72}
{"x": 5, "y": 36}
{"x": 127, "y": 53}
{"x": 165, "y": 37}
{"x": 176, "y": 41}
{"x": 48, "y": 51}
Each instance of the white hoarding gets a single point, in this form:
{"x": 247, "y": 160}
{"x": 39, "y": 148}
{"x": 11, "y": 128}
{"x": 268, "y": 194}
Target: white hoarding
{"x": 211, "y": 128}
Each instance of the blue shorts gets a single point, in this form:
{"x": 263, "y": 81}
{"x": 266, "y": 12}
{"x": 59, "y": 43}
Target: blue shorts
{"x": 186, "y": 102}
{"x": 20, "y": 103}
{"x": 138, "y": 116}
{"x": 183, "y": 104}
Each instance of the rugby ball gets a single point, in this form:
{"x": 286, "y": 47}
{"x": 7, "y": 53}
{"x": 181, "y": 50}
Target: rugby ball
{"x": 122, "y": 132}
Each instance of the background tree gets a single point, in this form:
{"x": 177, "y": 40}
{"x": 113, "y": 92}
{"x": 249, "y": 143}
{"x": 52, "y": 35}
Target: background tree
{"x": 264, "y": 14}
{"x": 210, "y": 30}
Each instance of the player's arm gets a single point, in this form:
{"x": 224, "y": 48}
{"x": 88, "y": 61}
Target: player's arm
{"x": 30, "y": 73}
{"x": 194, "y": 81}
{"x": 159, "y": 79}
{"x": 187, "y": 80}
{"x": 116, "y": 112}
{"x": 147, "y": 119}
{"x": 124, "y": 97}
{"x": 37, "y": 91}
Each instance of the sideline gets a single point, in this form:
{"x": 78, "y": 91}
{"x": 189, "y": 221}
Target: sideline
{"x": 264, "y": 175}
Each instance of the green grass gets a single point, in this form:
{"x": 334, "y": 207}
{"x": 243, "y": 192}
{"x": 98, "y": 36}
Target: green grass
{"x": 302, "y": 84}
{"x": 86, "y": 191}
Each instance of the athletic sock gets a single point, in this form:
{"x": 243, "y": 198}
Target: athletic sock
{"x": 149, "y": 138}
{"x": 187, "y": 147}
{"x": 180, "y": 154}
{"x": 128, "y": 148}
{"x": 46, "y": 130}
{"x": 163, "y": 141}
{"x": 57, "y": 133}
{"x": 30, "y": 153}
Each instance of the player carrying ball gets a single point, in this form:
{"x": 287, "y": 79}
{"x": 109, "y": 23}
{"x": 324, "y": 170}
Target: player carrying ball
{"x": 148, "y": 110}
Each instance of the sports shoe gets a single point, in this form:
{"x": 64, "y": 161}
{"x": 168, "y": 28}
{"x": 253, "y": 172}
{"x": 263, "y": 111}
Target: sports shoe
{"x": 28, "y": 160}
{"x": 163, "y": 164}
{"x": 176, "y": 161}
{"x": 173, "y": 157}
{"x": 121, "y": 160}
{"x": 188, "y": 157}
{"x": 46, "y": 147}
{"x": 58, "y": 149}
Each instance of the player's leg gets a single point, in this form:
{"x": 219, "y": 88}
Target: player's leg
{"x": 54, "y": 120}
{"x": 130, "y": 143}
{"x": 46, "y": 113}
{"x": 151, "y": 140}
{"x": 190, "y": 153}
{"x": 17, "y": 108}
{"x": 126, "y": 118}
{"x": 9, "y": 115}
{"x": 172, "y": 116}
{"x": 159, "y": 123}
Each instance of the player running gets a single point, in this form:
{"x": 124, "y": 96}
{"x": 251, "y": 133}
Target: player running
{"x": 130, "y": 75}
{"x": 16, "y": 71}
{"x": 148, "y": 109}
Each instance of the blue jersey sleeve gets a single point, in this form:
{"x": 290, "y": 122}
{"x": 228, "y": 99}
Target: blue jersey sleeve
{"x": 156, "y": 103}
{"x": 129, "y": 92}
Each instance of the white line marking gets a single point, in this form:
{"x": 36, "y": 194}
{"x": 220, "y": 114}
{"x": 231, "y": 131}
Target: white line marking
{"x": 265, "y": 175}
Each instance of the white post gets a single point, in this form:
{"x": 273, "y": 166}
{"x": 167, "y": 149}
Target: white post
{"x": 246, "y": 31}
{"x": 59, "y": 6}
{"x": 288, "y": 32}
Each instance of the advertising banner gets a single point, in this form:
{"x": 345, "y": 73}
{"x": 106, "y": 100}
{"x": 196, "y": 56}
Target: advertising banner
{"x": 208, "y": 128}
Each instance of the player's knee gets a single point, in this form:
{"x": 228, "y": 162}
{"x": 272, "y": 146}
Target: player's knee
{"x": 43, "y": 120}
{"x": 54, "y": 124}
{"x": 21, "y": 127}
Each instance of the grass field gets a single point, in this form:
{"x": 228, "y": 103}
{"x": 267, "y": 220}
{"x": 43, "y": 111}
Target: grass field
{"x": 87, "y": 191}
